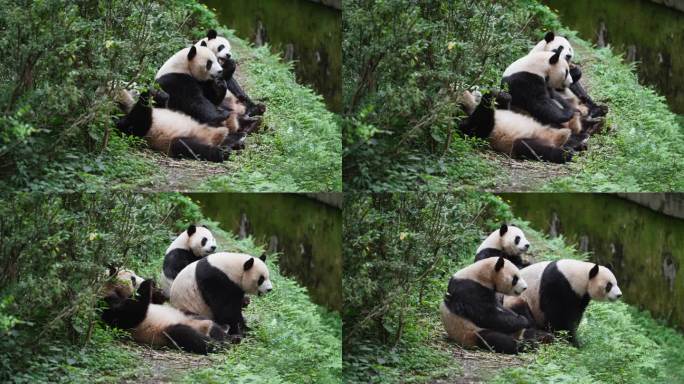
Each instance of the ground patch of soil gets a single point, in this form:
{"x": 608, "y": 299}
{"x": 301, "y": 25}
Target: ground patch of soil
{"x": 479, "y": 366}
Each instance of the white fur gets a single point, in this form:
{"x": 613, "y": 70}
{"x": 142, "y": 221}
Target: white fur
{"x": 168, "y": 125}
{"x": 189, "y": 243}
{"x": 214, "y": 45}
{"x": 510, "y": 126}
{"x": 484, "y": 272}
{"x": 538, "y": 63}
{"x": 179, "y": 63}
{"x": 558, "y": 41}
{"x": 506, "y": 242}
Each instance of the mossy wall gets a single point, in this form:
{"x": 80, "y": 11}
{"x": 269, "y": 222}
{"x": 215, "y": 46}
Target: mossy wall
{"x": 650, "y": 29}
{"x": 308, "y": 235}
{"x": 309, "y": 32}
{"x": 645, "y": 249}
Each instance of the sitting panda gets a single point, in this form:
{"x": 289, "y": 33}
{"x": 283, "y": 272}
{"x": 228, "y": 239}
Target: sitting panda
{"x": 220, "y": 46}
{"x": 180, "y": 77}
{"x": 512, "y": 133}
{"x": 175, "y": 134}
{"x": 193, "y": 244}
{"x": 472, "y": 316}
{"x": 552, "y": 42}
{"x": 154, "y": 324}
{"x": 508, "y": 242}
{"x": 559, "y": 292}
{"x": 532, "y": 82}
{"x": 215, "y": 287}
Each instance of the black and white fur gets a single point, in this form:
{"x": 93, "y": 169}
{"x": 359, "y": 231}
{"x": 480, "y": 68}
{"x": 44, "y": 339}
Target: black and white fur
{"x": 532, "y": 82}
{"x": 154, "y": 324}
{"x": 512, "y": 133}
{"x": 215, "y": 287}
{"x": 508, "y": 242}
{"x": 181, "y": 77}
{"x": 175, "y": 133}
{"x": 559, "y": 292}
{"x": 552, "y": 42}
{"x": 193, "y": 244}
{"x": 471, "y": 314}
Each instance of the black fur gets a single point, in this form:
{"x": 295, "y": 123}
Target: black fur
{"x": 191, "y": 148}
{"x": 493, "y": 252}
{"x": 498, "y": 342}
{"x": 530, "y": 93}
{"x": 128, "y": 313}
{"x": 595, "y": 110}
{"x": 222, "y": 296}
{"x": 215, "y": 90}
{"x": 186, "y": 95}
{"x": 481, "y": 122}
{"x": 477, "y": 303}
{"x": 188, "y": 339}
{"x": 561, "y": 306}
{"x": 535, "y": 149}
{"x": 176, "y": 260}
{"x": 139, "y": 120}
{"x": 549, "y": 37}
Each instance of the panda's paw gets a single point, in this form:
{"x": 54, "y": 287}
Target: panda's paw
{"x": 229, "y": 66}
{"x": 245, "y": 301}
{"x": 235, "y": 339}
{"x": 257, "y": 109}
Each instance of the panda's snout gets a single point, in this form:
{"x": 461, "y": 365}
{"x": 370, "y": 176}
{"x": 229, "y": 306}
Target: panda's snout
{"x": 212, "y": 248}
{"x": 527, "y": 246}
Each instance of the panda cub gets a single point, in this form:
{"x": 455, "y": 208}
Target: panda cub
{"x": 218, "y": 94}
{"x": 552, "y": 42}
{"x": 181, "y": 77}
{"x": 154, "y": 324}
{"x": 173, "y": 133}
{"x": 215, "y": 287}
{"x": 471, "y": 314}
{"x": 508, "y": 242}
{"x": 559, "y": 292}
{"x": 193, "y": 244}
{"x": 512, "y": 133}
{"x": 532, "y": 82}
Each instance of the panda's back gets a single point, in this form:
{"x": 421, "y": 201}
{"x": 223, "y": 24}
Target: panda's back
{"x": 185, "y": 293}
{"x": 533, "y": 277}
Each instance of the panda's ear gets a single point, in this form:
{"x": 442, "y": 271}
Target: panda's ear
{"x": 112, "y": 270}
{"x": 503, "y": 229}
{"x": 549, "y": 37}
{"x": 556, "y": 56}
{"x": 249, "y": 264}
{"x": 211, "y": 34}
{"x": 192, "y": 52}
{"x": 191, "y": 229}
{"x": 203, "y": 43}
{"x": 263, "y": 257}
{"x": 594, "y": 271}
{"x": 499, "y": 264}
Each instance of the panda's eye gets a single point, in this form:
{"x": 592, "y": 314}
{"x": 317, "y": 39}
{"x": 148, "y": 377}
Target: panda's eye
{"x": 261, "y": 280}
{"x": 220, "y": 47}
{"x": 204, "y": 241}
{"x": 517, "y": 240}
{"x": 609, "y": 286}
{"x": 515, "y": 280}
{"x": 209, "y": 63}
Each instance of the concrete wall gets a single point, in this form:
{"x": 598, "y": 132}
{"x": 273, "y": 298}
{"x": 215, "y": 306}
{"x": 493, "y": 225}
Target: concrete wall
{"x": 671, "y": 204}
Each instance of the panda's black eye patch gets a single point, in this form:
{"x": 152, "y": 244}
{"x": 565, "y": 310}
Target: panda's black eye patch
{"x": 220, "y": 47}
{"x": 133, "y": 281}
{"x": 517, "y": 240}
{"x": 204, "y": 241}
{"x": 609, "y": 286}
{"x": 515, "y": 280}
{"x": 261, "y": 280}
{"x": 209, "y": 63}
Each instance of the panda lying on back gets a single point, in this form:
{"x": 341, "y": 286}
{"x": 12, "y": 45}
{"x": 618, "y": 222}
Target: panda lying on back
{"x": 512, "y": 133}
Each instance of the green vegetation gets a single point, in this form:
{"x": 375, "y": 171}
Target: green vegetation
{"x": 52, "y": 260}
{"x": 400, "y": 250}
{"x": 401, "y": 117}
{"x": 57, "y": 131}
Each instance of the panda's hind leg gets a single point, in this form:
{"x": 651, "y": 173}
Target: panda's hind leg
{"x": 188, "y": 339}
{"x": 192, "y": 148}
{"x": 497, "y": 342}
{"x": 536, "y": 149}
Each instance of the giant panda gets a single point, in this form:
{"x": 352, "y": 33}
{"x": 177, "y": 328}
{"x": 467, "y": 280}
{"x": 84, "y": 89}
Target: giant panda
{"x": 532, "y": 82}
{"x": 215, "y": 287}
{"x": 552, "y": 42}
{"x": 180, "y": 77}
{"x": 471, "y": 314}
{"x": 154, "y": 324}
{"x": 193, "y": 244}
{"x": 559, "y": 291}
{"x": 512, "y": 133}
{"x": 175, "y": 134}
{"x": 222, "y": 49}
{"x": 508, "y": 242}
